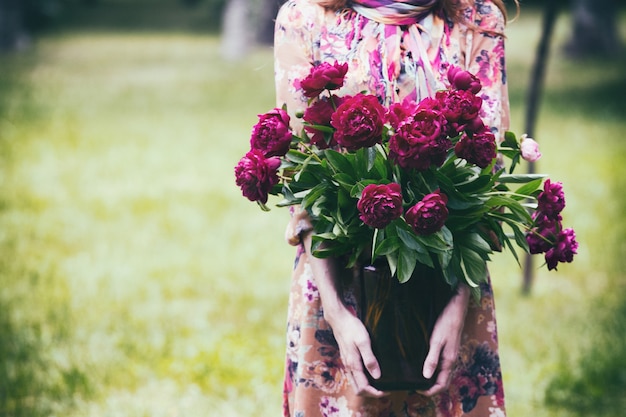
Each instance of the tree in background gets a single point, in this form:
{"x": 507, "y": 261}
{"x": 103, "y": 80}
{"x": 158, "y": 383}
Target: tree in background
{"x": 594, "y": 29}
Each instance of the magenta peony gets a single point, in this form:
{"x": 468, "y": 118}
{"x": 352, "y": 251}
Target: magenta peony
{"x": 256, "y": 175}
{"x": 563, "y": 250}
{"x": 421, "y": 141}
{"x": 380, "y": 204}
{"x": 429, "y": 215}
{"x": 320, "y": 113}
{"x": 272, "y": 134}
{"x": 461, "y": 108}
{"x": 322, "y": 77}
{"x": 551, "y": 201}
{"x": 463, "y": 80}
{"x": 359, "y": 122}
{"x": 478, "y": 149}
{"x": 398, "y": 113}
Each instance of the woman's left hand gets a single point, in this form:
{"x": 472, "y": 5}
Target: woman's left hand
{"x": 446, "y": 340}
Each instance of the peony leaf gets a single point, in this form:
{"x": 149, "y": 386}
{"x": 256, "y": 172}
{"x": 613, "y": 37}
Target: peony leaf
{"x": 371, "y": 157}
{"x": 406, "y": 264}
{"x": 387, "y": 246}
{"x": 474, "y": 265}
{"x": 520, "y": 178}
{"x": 340, "y": 163}
{"x": 528, "y": 188}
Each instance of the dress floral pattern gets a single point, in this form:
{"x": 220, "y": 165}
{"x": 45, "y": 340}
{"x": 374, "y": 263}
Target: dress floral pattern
{"x": 395, "y": 63}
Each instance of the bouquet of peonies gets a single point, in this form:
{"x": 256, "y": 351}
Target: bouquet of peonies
{"x": 410, "y": 183}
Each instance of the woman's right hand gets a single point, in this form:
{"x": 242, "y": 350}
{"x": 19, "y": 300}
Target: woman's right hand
{"x": 355, "y": 348}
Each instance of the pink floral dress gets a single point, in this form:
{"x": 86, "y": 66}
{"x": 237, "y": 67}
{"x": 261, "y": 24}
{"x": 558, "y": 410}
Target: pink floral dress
{"x": 395, "y": 63}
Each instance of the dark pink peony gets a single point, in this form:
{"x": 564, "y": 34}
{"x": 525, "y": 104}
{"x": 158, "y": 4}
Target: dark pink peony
{"x": 320, "y": 113}
{"x": 421, "y": 141}
{"x": 563, "y": 250}
{"x": 272, "y": 134}
{"x": 256, "y": 175}
{"x": 429, "y": 215}
{"x": 461, "y": 108}
{"x": 398, "y": 113}
{"x": 478, "y": 149}
{"x": 463, "y": 80}
{"x": 358, "y": 122}
{"x": 551, "y": 201}
{"x": 322, "y": 77}
{"x": 541, "y": 238}
{"x": 380, "y": 204}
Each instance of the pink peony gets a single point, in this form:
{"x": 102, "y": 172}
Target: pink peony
{"x": 324, "y": 77}
{"x": 421, "y": 141}
{"x": 478, "y": 149}
{"x": 272, "y": 134}
{"x": 529, "y": 149}
{"x": 380, "y": 204}
{"x": 551, "y": 201}
{"x": 256, "y": 175}
{"x": 429, "y": 215}
{"x": 358, "y": 122}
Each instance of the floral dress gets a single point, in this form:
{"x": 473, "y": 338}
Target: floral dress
{"x": 395, "y": 63}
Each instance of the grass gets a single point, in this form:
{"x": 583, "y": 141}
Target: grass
{"x": 136, "y": 281}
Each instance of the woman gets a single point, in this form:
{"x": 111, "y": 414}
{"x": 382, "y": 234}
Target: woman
{"x": 397, "y": 50}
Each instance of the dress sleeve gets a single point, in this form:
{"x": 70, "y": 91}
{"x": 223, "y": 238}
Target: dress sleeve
{"x": 486, "y": 59}
{"x": 293, "y": 54}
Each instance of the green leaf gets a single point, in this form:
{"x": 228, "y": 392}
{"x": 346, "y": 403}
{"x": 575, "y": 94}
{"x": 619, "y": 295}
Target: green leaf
{"x": 406, "y": 264}
{"x": 388, "y": 246}
{"x": 520, "y": 178}
{"x": 475, "y": 267}
{"x": 529, "y": 188}
{"x": 339, "y": 162}
{"x": 371, "y": 158}
{"x": 510, "y": 141}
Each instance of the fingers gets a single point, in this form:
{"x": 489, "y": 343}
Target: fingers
{"x": 444, "y": 356}
{"x": 432, "y": 359}
{"x": 358, "y": 358}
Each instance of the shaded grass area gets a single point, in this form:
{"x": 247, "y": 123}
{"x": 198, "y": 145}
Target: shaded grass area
{"x": 137, "y": 281}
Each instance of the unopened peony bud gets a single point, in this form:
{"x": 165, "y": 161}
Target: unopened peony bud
{"x": 529, "y": 148}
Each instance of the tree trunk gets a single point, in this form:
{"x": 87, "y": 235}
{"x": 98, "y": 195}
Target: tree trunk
{"x": 594, "y": 29}
{"x": 236, "y": 30}
{"x": 269, "y": 10}
{"x": 11, "y": 31}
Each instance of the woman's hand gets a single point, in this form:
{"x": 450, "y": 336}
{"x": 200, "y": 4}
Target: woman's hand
{"x": 355, "y": 348}
{"x": 446, "y": 340}
{"x": 354, "y": 342}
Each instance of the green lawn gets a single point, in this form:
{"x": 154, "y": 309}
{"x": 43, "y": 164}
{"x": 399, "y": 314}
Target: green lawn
{"x": 135, "y": 279}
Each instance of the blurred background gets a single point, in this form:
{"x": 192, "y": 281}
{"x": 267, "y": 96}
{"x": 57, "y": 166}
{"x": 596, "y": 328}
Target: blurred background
{"x": 136, "y": 281}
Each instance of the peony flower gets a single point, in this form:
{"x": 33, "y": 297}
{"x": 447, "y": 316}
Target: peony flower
{"x": 324, "y": 77}
{"x": 551, "y": 201}
{"x": 421, "y": 141}
{"x": 398, "y": 113}
{"x": 429, "y": 215}
{"x": 478, "y": 149}
{"x": 529, "y": 148}
{"x": 460, "y": 107}
{"x": 256, "y": 175}
{"x": 320, "y": 113}
{"x": 380, "y": 204}
{"x": 463, "y": 80}
{"x": 359, "y": 122}
{"x": 563, "y": 250}
{"x": 272, "y": 134}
